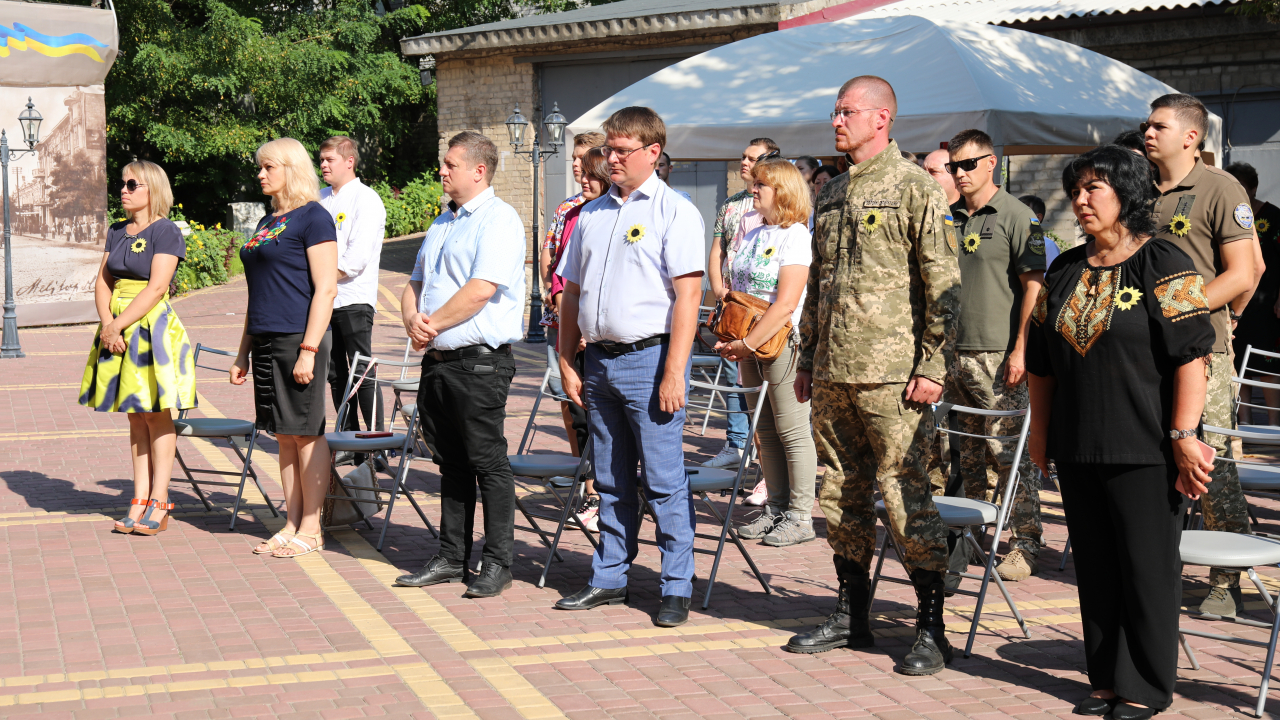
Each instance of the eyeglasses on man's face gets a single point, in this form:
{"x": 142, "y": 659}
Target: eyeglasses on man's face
{"x": 968, "y": 165}
{"x": 132, "y": 185}
{"x": 843, "y": 115}
{"x": 621, "y": 153}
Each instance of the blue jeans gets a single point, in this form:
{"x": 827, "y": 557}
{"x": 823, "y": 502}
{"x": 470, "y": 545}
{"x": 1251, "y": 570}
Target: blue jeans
{"x": 738, "y": 421}
{"x": 630, "y": 429}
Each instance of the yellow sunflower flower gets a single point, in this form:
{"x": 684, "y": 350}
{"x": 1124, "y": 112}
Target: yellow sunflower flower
{"x": 635, "y": 234}
{"x": 971, "y": 242}
{"x": 1179, "y": 225}
{"x": 871, "y": 220}
{"x": 340, "y": 218}
{"x": 1128, "y": 297}
{"x": 1263, "y": 226}
{"x": 768, "y": 253}
{"x": 138, "y": 245}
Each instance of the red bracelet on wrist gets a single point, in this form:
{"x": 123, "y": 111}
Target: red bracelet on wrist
{"x": 313, "y": 349}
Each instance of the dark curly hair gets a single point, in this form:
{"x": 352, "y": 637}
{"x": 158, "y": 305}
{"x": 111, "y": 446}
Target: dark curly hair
{"x": 1127, "y": 174}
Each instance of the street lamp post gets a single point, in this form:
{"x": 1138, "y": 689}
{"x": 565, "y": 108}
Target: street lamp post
{"x": 30, "y": 122}
{"x": 554, "y": 124}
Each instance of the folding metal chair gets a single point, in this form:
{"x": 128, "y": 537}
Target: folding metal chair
{"x": 211, "y": 429}
{"x": 350, "y": 441}
{"x": 1242, "y": 553}
{"x": 963, "y": 514}
{"x": 403, "y": 384}
{"x": 1249, "y": 353}
{"x": 542, "y": 467}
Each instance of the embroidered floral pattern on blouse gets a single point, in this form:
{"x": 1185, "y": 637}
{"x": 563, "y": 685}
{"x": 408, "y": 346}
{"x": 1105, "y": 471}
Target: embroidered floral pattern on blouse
{"x": 1041, "y": 312}
{"x": 1087, "y": 313}
{"x": 267, "y": 234}
{"x": 1182, "y": 296}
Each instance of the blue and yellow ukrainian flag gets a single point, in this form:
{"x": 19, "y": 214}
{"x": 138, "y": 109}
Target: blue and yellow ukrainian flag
{"x": 21, "y": 37}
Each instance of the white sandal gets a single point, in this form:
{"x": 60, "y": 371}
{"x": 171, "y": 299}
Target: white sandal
{"x": 306, "y": 549}
{"x": 279, "y": 538}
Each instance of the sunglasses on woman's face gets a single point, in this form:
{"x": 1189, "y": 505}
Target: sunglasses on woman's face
{"x": 132, "y": 185}
{"x": 966, "y": 165}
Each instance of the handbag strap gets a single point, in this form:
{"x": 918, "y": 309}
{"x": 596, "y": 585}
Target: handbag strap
{"x": 359, "y": 382}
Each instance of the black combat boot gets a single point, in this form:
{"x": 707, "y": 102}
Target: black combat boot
{"x": 931, "y": 651}
{"x": 849, "y": 625}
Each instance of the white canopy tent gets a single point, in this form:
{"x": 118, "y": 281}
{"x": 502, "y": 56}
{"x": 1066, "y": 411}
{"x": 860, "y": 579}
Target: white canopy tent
{"x": 1032, "y": 94}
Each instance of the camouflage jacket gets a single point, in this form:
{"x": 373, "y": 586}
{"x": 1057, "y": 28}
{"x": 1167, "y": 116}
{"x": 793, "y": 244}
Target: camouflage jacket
{"x": 884, "y": 283}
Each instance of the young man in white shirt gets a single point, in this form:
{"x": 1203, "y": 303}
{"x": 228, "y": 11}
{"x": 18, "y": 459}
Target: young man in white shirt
{"x": 361, "y": 221}
{"x": 465, "y": 305}
{"x": 633, "y": 279}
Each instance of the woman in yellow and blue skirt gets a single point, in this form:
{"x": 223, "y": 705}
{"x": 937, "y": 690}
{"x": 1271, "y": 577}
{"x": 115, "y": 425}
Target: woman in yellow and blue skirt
{"x": 141, "y": 359}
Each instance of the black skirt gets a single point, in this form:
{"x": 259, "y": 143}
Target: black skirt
{"x": 285, "y": 406}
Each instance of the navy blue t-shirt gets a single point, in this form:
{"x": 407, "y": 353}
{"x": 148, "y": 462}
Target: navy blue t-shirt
{"x": 277, "y": 271}
{"x": 129, "y": 256}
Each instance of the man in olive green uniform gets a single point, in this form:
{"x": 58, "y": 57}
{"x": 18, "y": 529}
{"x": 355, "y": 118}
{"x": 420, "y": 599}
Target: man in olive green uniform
{"x": 1001, "y": 271}
{"x": 1206, "y": 212}
{"x": 883, "y": 285}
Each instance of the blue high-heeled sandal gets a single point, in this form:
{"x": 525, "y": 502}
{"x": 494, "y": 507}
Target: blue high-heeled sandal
{"x": 124, "y": 527}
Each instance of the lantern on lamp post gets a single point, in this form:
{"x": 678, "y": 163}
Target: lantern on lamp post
{"x": 30, "y": 120}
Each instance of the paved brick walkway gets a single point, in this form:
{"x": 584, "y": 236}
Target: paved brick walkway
{"x": 190, "y": 624}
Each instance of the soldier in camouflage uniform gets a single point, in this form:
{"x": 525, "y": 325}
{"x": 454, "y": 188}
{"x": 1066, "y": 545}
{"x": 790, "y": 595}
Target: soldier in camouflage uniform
{"x": 883, "y": 285}
{"x": 1206, "y": 212}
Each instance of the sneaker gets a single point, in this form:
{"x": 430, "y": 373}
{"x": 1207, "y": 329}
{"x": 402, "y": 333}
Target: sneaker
{"x": 790, "y": 531}
{"x": 761, "y": 526}
{"x": 758, "y": 497}
{"x": 589, "y": 513}
{"x": 1222, "y": 602}
{"x": 729, "y": 455}
{"x": 1017, "y": 565}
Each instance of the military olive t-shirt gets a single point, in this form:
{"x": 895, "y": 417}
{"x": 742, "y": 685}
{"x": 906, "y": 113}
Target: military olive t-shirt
{"x": 998, "y": 243}
{"x": 1204, "y": 211}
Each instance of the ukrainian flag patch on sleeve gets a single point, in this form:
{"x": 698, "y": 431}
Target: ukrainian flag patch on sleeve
{"x": 950, "y": 220}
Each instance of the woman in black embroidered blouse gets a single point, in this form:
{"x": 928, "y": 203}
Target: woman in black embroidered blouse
{"x": 1119, "y": 342}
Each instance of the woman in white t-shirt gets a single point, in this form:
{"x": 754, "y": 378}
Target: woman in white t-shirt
{"x": 769, "y": 258}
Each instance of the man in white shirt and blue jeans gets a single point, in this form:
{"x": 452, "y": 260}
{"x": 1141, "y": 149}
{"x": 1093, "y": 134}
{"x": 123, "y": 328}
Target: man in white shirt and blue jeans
{"x": 361, "y": 222}
{"x": 633, "y": 280}
{"x": 465, "y": 305}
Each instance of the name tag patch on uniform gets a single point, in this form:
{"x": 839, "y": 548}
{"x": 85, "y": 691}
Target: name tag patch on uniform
{"x": 882, "y": 203}
{"x": 1244, "y": 216}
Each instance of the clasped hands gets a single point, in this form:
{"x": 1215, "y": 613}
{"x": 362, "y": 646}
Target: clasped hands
{"x": 418, "y": 325}
{"x": 112, "y": 339}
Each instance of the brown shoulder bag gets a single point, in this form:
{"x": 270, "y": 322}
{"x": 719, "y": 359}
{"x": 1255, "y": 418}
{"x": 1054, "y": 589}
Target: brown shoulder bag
{"x": 737, "y": 314}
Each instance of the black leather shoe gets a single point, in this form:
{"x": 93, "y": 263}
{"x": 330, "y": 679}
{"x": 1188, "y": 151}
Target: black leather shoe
{"x": 673, "y": 612}
{"x": 1095, "y": 706}
{"x": 931, "y": 651}
{"x": 1125, "y": 711}
{"x": 592, "y": 597}
{"x": 437, "y": 570}
{"x": 492, "y": 581}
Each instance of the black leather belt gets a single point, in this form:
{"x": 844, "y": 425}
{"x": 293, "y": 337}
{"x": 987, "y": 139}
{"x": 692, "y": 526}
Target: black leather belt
{"x": 617, "y": 348}
{"x": 470, "y": 351}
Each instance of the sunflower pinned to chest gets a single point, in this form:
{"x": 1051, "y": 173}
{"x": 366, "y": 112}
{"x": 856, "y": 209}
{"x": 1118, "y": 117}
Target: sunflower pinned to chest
{"x": 339, "y": 219}
{"x": 1180, "y": 225}
{"x": 139, "y": 245}
{"x": 634, "y": 234}
{"x": 971, "y": 242}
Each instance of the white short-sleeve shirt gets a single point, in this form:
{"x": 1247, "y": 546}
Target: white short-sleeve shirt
{"x": 624, "y": 254}
{"x": 361, "y": 221}
{"x": 484, "y": 239}
{"x": 756, "y": 256}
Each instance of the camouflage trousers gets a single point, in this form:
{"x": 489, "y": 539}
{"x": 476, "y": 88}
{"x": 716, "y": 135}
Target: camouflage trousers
{"x": 976, "y": 379}
{"x": 867, "y": 435}
{"x": 1223, "y": 505}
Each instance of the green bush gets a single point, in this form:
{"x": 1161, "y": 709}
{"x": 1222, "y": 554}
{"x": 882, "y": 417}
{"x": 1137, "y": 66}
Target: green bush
{"x": 410, "y": 209}
{"x": 212, "y": 257}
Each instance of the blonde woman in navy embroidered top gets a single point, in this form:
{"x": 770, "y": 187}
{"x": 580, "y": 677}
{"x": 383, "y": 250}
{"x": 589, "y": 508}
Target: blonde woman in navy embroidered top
{"x": 140, "y": 362}
{"x": 291, "y": 268}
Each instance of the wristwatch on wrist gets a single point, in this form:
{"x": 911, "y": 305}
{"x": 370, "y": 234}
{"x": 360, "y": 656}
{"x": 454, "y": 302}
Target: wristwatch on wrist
{"x": 1181, "y": 434}
{"x": 1235, "y": 317}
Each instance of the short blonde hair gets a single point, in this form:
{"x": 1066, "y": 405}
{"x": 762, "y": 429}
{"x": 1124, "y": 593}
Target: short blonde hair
{"x": 301, "y": 185}
{"x": 157, "y": 182}
{"x": 791, "y": 193}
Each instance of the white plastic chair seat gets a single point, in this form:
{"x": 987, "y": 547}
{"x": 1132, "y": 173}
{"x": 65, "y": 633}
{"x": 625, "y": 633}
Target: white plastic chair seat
{"x": 410, "y": 385}
{"x": 212, "y": 427}
{"x": 703, "y": 479}
{"x": 407, "y": 410}
{"x": 1258, "y": 479}
{"x": 1227, "y": 550}
{"x": 957, "y": 512}
{"x": 706, "y": 361}
{"x": 347, "y": 441}
{"x": 544, "y": 465}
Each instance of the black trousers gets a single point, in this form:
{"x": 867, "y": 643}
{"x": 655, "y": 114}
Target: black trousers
{"x": 1126, "y": 523}
{"x": 462, "y": 407}
{"x": 352, "y": 328}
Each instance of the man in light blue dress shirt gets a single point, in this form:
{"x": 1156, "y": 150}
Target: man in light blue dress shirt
{"x": 633, "y": 280}
{"x": 464, "y": 305}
